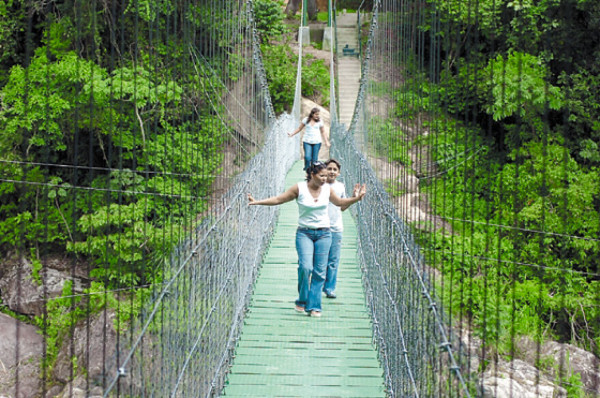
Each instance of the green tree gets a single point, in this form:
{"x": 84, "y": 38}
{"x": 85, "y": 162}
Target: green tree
{"x": 269, "y": 16}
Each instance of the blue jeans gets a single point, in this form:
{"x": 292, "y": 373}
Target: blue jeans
{"x": 333, "y": 262}
{"x": 313, "y": 250}
{"x": 311, "y": 153}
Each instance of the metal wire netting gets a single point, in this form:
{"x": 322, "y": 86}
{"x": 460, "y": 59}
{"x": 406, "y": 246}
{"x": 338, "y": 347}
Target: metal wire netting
{"x": 145, "y": 128}
{"x": 463, "y": 232}
{"x": 194, "y": 321}
{"x": 416, "y": 349}
{"x": 131, "y": 134}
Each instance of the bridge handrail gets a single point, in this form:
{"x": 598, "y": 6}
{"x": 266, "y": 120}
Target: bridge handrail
{"x": 270, "y": 166}
{"x": 358, "y": 169}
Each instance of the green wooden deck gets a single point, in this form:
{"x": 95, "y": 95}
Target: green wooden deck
{"x": 283, "y": 353}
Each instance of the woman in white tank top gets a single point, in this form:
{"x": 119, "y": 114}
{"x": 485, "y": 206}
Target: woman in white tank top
{"x": 314, "y": 136}
{"x": 313, "y": 237}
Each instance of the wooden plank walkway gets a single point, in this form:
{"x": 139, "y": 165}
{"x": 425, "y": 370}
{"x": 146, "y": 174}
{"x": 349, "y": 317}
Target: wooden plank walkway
{"x": 283, "y": 353}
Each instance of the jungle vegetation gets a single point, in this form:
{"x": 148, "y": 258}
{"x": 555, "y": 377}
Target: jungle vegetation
{"x": 511, "y": 104}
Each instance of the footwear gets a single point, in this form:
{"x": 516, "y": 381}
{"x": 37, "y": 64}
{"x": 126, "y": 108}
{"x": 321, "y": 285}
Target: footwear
{"x": 299, "y": 308}
{"x": 315, "y": 313}
{"x": 330, "y": 295}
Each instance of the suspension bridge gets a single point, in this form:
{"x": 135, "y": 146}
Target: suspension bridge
{"x": 134, "y": 266}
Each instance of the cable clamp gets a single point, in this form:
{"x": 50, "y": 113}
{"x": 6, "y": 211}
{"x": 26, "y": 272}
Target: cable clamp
{"x": 446, "y": 345}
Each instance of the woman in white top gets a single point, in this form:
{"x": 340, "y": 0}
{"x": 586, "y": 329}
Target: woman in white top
{"x": 313, "y": 136}
{"x": 313, "y": 236}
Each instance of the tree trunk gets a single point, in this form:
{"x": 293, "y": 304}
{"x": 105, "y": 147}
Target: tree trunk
{"x": 292, "y": 7}
{"x": 311, "y": 9}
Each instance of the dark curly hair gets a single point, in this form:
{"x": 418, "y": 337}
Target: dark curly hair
{"x": 314, "y": 168}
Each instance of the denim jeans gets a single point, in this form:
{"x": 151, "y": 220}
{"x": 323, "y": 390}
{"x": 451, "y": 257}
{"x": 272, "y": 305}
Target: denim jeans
{"x": 311, "y": 153}
{"x": 333, "y": 262}
{"x": 313, "y": 250}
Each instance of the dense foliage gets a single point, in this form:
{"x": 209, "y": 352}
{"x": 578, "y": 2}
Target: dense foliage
{"x": 129, "y": 124}
{"x": 112, "y": 131}
{"x": 281, "y": 63}
{"x": 515, "y": 107}
{"x": 269, "y": 18}
{"x": 281, "y": 68}
{"x": 109, "y": 141}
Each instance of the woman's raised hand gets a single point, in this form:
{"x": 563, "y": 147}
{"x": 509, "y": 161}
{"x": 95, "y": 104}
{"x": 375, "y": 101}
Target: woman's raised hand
{"x": 359, "y": 191}
{"x": 250, "y": 200}
{"x": 363, "y": 191}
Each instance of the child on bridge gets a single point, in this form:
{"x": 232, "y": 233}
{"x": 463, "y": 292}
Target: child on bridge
{"x": 337, "y": 226}
{"x": 313, "y": 236}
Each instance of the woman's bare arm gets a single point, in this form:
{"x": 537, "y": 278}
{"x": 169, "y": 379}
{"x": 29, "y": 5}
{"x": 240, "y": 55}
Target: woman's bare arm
{"x": 355, "y": 192}
{"x": 344, "y": 203}
{"x": 293, "y": 133}
{"x": 287, "y": 196}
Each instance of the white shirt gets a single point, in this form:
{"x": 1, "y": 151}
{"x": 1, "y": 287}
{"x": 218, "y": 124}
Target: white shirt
{"x": 313, "y": 213}
{"x": 312, "y": 133}
{"x": 335, "y": 213}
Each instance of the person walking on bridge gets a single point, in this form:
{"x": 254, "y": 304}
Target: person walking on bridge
{"x": 313, "y": 137}
{"x": 313, "y": 236}
{"x": 336, "y": 225}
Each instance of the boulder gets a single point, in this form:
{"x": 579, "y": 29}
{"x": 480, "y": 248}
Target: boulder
{"x": 78, "y": 389}
{"x": 21, "y": 348}
{"x": 518, "y": 379}
{"x": 571, "y": 359}
{"x": 21, "y": 293}
{"x": 94, "y": 346}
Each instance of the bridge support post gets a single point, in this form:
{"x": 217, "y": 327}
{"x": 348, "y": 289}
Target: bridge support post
{"x": 304, "y": 33}
{"x": 328, "y": 38}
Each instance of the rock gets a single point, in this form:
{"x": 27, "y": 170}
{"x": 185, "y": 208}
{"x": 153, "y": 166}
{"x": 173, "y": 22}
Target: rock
{"x": 22, "y": 294}
{"x": 78, "y": 389}
{"x": 92, "y": 351}
{"x": 68, "y": 265}
{"x": 518, "y": 379}
{"x": 21, "y": 348}
{"x": 567, "y": 358}
{"x": 471, "y": 347}
{"x": 571, "y": 359}
{"x": 54, "y": 391}
{"x": 9, "y": 261}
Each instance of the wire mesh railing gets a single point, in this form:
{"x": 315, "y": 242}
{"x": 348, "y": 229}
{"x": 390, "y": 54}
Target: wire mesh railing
{"x": 194, "y": 322}
{"x": 130, "y": 134}
{"x": 460, "y": 132}
{"x": 196, "y": 319}
{"x": 136, "y": 131}
{"x": 416, "y": 349}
